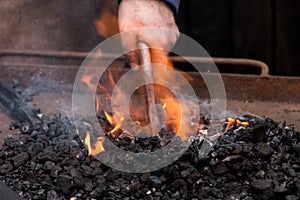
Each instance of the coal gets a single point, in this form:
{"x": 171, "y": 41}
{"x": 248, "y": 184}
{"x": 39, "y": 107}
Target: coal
{"x": 154, "y": 181}
{"x": 5, "y": 168}
{"x": 49, "y": 161}
{"x": 19, "y": 159}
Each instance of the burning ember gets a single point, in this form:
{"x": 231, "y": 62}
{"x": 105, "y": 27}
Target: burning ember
{"x": 169, "y": 103}
{"x": 112, "y": 122}
{"x": 114, "y": 127}
{"x": 98, "y": 146}
{"x": 231, "y": 122}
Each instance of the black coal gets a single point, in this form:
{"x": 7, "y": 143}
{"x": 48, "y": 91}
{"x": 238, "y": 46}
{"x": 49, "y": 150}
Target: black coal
{"x": 49, "y": 161}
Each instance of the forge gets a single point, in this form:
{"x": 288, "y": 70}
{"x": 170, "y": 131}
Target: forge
{"x": 254, "y": 154}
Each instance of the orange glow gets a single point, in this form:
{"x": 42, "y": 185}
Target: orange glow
{"x": 115, "y": 129}
{"x": 88, "y": 80}
{"x": 230, "y": 122}
{"x": 98, "y": 105}
{"x": 96, "y": 148}
{"x": 173, "y": 112}
{"x": 112, "y": 82}
{"x": 113, "y": 132}
{"x": 109, "y": 118}
{"x": 173, "y": 109}
{"x": 245, "y": 123}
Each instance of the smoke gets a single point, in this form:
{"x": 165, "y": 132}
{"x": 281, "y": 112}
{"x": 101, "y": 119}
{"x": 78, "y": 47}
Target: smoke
{"x": 49, "y": 94}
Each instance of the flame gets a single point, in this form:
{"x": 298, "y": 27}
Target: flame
{"x": 88, "y": 80}
{"x": 105, "y": 90}
{"x": 96, "y": 148}
{"x": 114, "y": 130}
{"x": 113, "y": 83}
{"x": 170, "y": 104}
{"x": 109, "y": 118}
{"x": 173, "y": 112}
{"x": 230, "y": 122}
{"x": 242, "y": 123}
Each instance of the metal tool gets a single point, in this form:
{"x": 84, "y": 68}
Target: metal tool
{"x": 153, "y": 111}
{"x": 16, "y": 105}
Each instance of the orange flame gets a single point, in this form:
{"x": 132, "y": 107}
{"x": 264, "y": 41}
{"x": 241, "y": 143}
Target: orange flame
{"x": 97, "y": 147}
{"x": 114, "y": 130}
{"x": 164, "y": 106}
{"x": 88, "y": 80}
{"x": 170, "y": 104}
{"x": 230, "y": 122}
{"x": 109, "y": 118}
{"x": 173, "y": 113}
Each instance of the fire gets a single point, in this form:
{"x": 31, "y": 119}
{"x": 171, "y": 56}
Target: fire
{"x": 230, "y": 122}
{"x": 111, "y": 120}
{"x": 114, "y": 130}
{"x": 243, "y": 123}
{"x": 88, "y": 80}
{"x": 169, "y": 102}
{"x": 95, "y": 148}
{"x": 172, "y": 107}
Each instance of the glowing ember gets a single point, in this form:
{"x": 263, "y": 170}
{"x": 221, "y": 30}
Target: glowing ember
{"x": 96, "y": 148}
{"x": 230, "y": 122}
{"x": 242, "y": 123}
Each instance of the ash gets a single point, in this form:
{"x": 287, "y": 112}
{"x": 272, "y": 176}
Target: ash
{"x": 49, "y": 161}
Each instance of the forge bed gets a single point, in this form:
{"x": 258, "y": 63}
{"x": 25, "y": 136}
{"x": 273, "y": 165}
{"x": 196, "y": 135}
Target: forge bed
{"x": 256, "y": 162}
{"x": 50, "y": 103}
{"x": 53, "y": 74}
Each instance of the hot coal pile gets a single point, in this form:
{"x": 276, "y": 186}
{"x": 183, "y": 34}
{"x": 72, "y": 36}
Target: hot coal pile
{"x": 49, "y": 161}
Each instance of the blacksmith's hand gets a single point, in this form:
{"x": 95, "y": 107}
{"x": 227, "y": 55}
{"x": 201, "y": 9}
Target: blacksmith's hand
{"x": 134, "y": 15}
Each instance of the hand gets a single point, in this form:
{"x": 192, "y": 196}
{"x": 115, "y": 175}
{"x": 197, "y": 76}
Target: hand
{"x": 161, "y": 38}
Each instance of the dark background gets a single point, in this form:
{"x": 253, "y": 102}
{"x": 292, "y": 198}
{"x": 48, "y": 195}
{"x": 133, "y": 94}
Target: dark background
{"x": 266, "y": 30}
